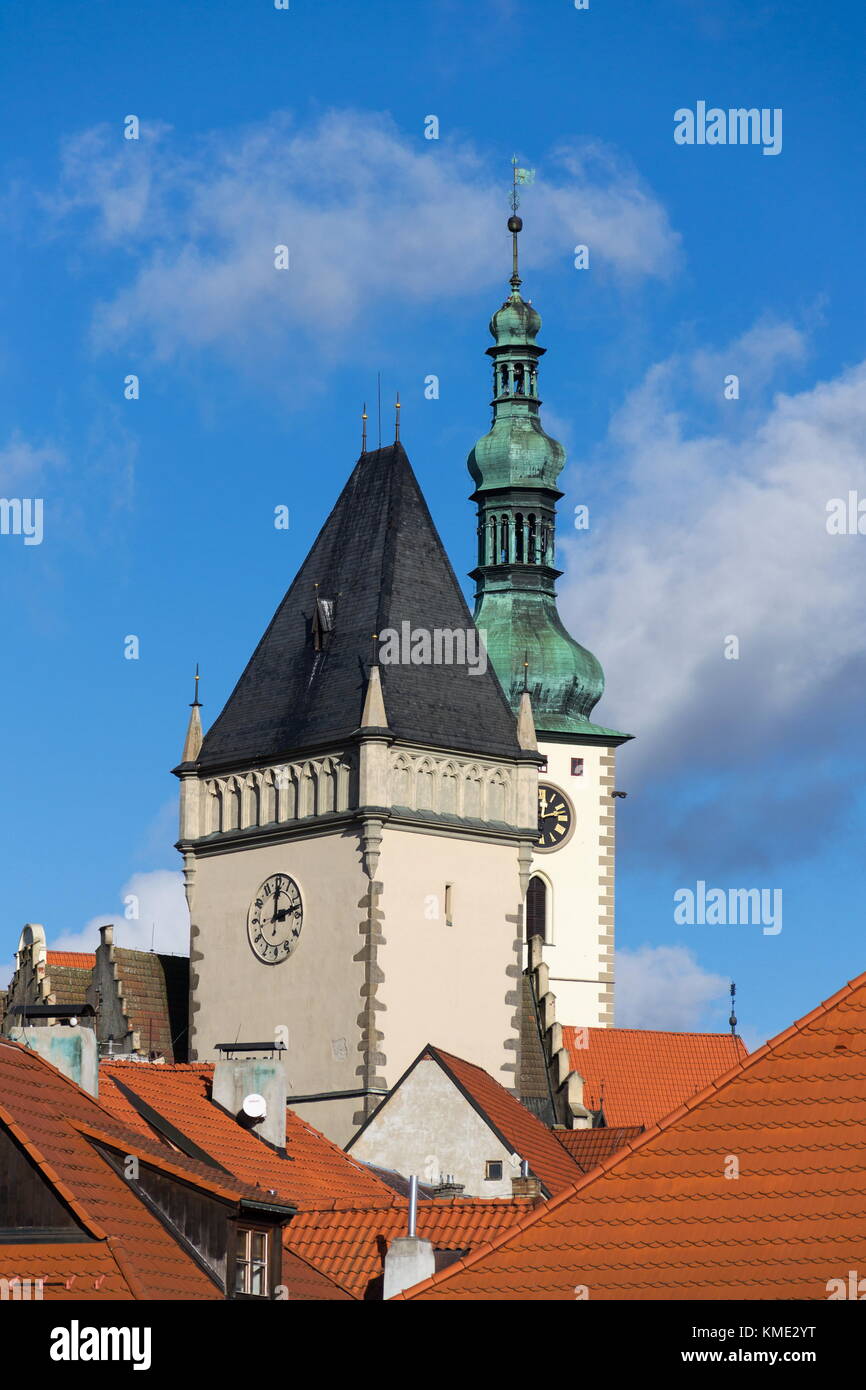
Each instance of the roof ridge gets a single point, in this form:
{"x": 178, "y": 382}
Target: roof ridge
{"x": 176, "y": 1163}
{"x": 124, "y": 1268}
{"x": 631, "y": 1146}
{"x": 643, "y": 1032}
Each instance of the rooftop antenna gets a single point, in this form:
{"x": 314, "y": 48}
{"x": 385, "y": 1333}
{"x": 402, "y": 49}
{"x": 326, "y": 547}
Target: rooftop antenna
{"x": 364, "y": 429}
{"x": 379, "y": 404}
{"x": 733, "y": 1018}
{"x": 397, "y": 421}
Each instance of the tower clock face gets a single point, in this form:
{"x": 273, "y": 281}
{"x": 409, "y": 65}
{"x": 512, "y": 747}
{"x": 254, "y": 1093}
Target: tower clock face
{"x": 275, "y": 919}
{"x": 555, "y": 817}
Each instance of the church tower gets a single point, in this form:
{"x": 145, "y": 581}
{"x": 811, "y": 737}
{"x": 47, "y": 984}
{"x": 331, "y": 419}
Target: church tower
{"x": 515, "y": 467}
{"x": 358, "y": 823}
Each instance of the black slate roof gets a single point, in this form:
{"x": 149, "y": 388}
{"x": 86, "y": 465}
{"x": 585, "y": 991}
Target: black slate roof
{"x": 380, "y": 560}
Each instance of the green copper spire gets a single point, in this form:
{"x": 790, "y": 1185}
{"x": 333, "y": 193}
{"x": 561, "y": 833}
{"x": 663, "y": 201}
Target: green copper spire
{"x": 515, "y": 467}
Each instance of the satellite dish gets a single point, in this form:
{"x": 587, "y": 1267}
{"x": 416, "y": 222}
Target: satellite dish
{"x": 255, "y": 1107}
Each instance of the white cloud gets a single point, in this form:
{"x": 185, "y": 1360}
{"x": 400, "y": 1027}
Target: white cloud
{"x": 719, "y": 532}
{"x": 162, "y": 917}
{"x": 23, "y": 464}
{"x": 664, "y": 987}
{"x": 372, "y": 218}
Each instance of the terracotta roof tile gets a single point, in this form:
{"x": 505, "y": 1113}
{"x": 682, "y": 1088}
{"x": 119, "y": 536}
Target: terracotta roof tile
{"x": 313, "y": 1172}
{"x": 640, "y": 1075}
{"x": 306, "y": 1284}
{"x": 665, "y": 1218}
{"x": 78, "y": 1273}
{"x": 589, "y": 1147}
{"x": 56, "y": 1122}
{"x": 349, "y": 1242}
{"x": 78, "y": 960}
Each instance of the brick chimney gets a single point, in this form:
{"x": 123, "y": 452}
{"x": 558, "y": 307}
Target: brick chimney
{"x": 526, "y": 1185}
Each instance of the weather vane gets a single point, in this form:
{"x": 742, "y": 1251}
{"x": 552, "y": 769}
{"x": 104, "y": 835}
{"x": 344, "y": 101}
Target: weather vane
{"x": 519, "y": 176}
{"x": 515, "y": 223}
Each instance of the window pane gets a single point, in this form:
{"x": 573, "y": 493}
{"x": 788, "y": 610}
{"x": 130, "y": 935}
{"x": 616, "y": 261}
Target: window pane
{"x": 259, "y": 1245}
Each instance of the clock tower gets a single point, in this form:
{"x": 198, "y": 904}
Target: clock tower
{"x": 515, "y": 467}
{"x": 357, "y": 823}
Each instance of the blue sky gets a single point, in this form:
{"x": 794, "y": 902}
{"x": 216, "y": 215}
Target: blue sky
{"x": 708, "y": 516}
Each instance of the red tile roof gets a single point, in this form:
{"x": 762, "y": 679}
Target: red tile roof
{"x": 518, "y": 1127}
{"x": 55, "y": 1122}
{"x": 640, "y": 1075}
{"x": 665, "y": 1219}
{"x": 348, "y": 1242}
{"x": 306, "y": 1284}
{"x": 79, "y": 1273}
{"x": 314, "y": 1171}
{"x": 78, "y": 960}
{"x": 347, "y": 1216}
{"x": 589, "y": 1147}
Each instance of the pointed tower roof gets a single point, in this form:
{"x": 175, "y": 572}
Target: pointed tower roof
{"x": 378, "y": 563}
{"x": 515, "y": 467}
{"x": 193, "y": 741}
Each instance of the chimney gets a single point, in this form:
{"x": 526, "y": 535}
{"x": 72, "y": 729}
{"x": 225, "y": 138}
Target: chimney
{"x": 254, "y": 1091}
{"x": 409, "y": 1260}
{"x": 447, "y": 1187}
{"x": 71, "y": 1049}
{"x": 527, "y": 1185}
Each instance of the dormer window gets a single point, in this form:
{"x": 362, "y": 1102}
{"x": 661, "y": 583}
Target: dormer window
{"x": 324, "y": 615}
{"x": 251, "y": 1264}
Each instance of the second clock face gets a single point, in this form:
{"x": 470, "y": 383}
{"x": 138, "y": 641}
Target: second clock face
{"x": 555, "y": 817}
{"x": 275, "y": 919}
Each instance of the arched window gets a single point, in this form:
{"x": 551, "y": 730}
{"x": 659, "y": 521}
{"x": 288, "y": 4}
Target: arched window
{"x": 518, "y": 380}
{"x": 536, "y": 908}
{"x": 492, "y": 559}
{"x": 533, "y": 542}
{"x": 503, "y": 540}
{"x": 518, "y": 536}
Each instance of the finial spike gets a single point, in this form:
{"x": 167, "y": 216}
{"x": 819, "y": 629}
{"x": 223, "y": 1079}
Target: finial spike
{"x": 364, "y": 429}
{"x": 515, "y": 223}
{"x": 397, "y": 421}
{"x": 733, "y": 1018}
{"x": 193, "y": 741}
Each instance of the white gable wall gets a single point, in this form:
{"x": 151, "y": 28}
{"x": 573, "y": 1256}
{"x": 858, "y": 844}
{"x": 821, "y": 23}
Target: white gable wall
{"x": 429, "y": 1128}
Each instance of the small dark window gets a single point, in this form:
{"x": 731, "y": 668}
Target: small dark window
{"x": 536, "y": 909}
{"x": 493, "y": 1170}
{"x": 577, "y": 767}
